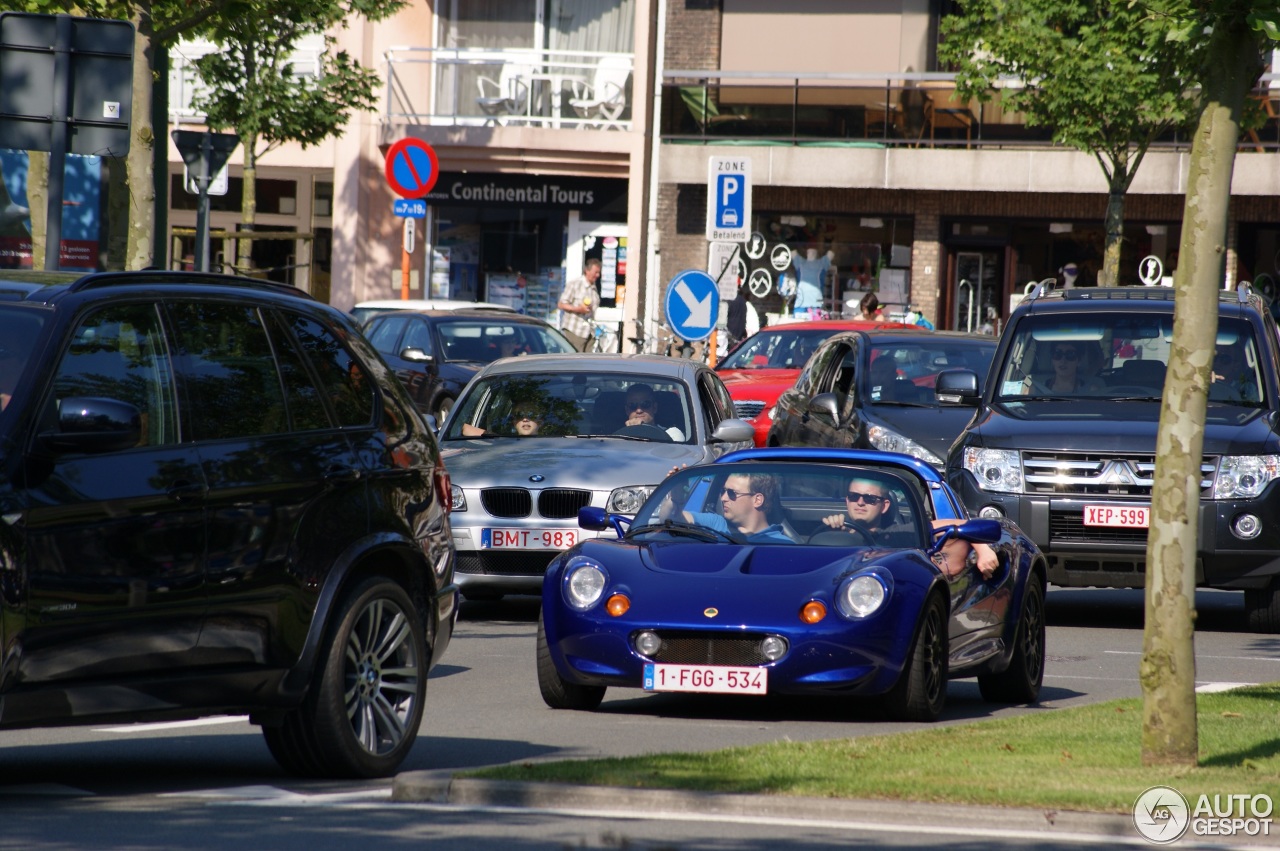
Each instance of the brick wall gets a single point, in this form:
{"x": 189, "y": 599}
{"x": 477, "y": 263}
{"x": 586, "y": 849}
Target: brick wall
{"x": 693, "y": 35}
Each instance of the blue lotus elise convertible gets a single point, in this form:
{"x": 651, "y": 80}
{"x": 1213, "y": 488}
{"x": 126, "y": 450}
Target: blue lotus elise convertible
{"x": 796, "y": 571}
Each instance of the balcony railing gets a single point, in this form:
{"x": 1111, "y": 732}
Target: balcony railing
{"x": 866, "y": 110}
{"x": 562, "y": 88}
{"x": 514, "y": 87}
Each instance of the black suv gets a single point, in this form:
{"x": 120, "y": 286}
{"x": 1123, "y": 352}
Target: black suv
{"x": 215, "y": 498}
{"x": 1064, "y": 439}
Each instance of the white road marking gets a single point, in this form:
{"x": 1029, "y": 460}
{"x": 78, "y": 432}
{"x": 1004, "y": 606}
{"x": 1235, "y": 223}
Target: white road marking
{"x": 174, "y": 725}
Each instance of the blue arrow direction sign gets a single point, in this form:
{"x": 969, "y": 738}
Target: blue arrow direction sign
{"x": 410, "y": 208}
{"x": 692, "y": 305}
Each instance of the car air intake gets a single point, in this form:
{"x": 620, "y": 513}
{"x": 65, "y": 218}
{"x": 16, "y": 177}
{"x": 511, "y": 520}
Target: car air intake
{"x": 560, "y": 503}
{"x": 507, "y": 502}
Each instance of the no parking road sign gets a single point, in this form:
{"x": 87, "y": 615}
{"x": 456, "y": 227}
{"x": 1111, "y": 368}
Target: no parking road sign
{"x": 692, "y": 305}
{"x": 412, "y": 168}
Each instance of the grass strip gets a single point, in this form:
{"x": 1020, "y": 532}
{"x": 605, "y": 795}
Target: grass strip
{"x": 1086, "y": 758}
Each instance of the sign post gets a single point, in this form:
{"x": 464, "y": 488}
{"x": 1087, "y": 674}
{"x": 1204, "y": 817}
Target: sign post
{"x": 204, "y": 154}
{"x": 412, "y": 169}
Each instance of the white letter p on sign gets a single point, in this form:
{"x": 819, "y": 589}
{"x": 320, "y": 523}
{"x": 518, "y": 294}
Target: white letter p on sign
{"x": 728, "y": 188}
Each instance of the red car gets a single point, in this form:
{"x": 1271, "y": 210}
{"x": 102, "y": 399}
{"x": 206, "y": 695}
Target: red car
{"x": 768, "y": 362}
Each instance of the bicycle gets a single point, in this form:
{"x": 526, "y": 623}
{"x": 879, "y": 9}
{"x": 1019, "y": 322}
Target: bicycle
{"x": 601, "y": 339}
{"x": 662, "y": 341}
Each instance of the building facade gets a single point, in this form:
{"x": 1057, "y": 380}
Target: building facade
{"x": 572, "y": 129}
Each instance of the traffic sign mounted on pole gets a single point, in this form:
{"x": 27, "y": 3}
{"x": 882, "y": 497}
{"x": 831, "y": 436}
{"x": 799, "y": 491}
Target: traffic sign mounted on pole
{"x": 728, "y": 199}
{"x": 412, "y": 168}
{"x": 692, "y": 305}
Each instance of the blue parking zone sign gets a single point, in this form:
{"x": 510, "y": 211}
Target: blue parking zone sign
{"x": 692, "y": 305}
{"x": 728, "y": 199}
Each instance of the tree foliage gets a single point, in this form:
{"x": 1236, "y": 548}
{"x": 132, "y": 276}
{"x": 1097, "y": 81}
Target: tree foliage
{"x": 1084, "y": 68}
{"x": 250, "y": 87}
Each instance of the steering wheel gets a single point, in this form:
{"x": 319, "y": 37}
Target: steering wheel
{"x": 850, "y": 525}
{"x": 646, "y": 431}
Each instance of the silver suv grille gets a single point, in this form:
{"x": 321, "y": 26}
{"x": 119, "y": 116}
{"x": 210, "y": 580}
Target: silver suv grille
{"x": 1098, "y": 474}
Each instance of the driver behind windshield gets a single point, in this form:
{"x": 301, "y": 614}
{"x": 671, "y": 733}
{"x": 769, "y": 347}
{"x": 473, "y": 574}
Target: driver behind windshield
{"x": 746, "y": 503}
{"x": 867, "y": 504}
{"x": 640, "y": 408}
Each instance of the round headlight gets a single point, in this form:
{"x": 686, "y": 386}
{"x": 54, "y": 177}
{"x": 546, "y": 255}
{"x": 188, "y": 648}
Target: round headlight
{"x": 648, "y": 643}
{"x": 1246, "y": 527}
{"x": 772, "y": 647}
{"x": 860, "y": 596}
{"x": 585, "y": 583}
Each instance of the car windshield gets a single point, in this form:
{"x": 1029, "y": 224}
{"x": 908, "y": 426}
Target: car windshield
{"x": 904, "y": 373}
{"x": 574, "y": 404}
{"x": 482, "y": 341}
{"x": 19, "y": 331}
{"x": 783, "y": 504}
{"x": 782, "y": 349}
{"x": 1121, "y": 356}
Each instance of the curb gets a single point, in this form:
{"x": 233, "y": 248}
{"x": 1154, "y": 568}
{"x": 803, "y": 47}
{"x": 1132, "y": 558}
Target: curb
{"x": 440, "y": 787}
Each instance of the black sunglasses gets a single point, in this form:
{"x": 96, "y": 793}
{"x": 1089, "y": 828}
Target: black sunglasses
{"x": 733, "y": 494}
{"x": 525, "y": 415}
{"x": 642, "y": 404}
{"x": 868, "y": 498}
{"x": 1065, "y": 354}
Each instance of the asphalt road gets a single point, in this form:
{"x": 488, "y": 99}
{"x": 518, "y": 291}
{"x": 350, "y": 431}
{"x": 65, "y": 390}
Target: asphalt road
{"x": 213, "y": 784}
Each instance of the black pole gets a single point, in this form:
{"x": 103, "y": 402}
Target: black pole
{"x": 202, "y": 206}
{"x": 58, "y": 142}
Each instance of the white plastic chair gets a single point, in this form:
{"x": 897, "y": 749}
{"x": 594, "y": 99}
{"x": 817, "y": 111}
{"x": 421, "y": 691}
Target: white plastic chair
{"x": 605, "y": 97}
{"x": 509, "y": 94}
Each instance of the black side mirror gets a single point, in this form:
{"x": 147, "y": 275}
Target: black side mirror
{"x": 957, "y": 387}
{"x": 94, "y": 424}
{"x": 825, "y": 404}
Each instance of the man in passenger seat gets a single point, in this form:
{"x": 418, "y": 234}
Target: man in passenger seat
{"x": 867, "y": 503}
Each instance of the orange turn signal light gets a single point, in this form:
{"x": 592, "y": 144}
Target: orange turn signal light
{"x": 813, "y": 612}
{"x": 617, "y": 605}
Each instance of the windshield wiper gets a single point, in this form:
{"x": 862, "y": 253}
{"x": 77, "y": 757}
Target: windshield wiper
{"x": 896, "y": 404}
{"x": 618, "y": 436}
{"x": 1132, "y": 398}
{"x": 701, "y": 533}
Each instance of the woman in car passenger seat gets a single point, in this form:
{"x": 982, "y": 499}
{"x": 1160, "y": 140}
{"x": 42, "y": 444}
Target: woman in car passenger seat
{"x": 1073, "y": 366}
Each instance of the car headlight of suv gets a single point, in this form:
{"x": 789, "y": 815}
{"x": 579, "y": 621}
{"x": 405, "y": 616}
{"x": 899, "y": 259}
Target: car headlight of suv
{"x": 1245, "y": 476}
{"x": 457, "y": 499}
{"x": 584, "y": 582}
{"x": 997, "y": 470}
{"x": 888, "y": 440}
{"x": 629, "y": 499}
